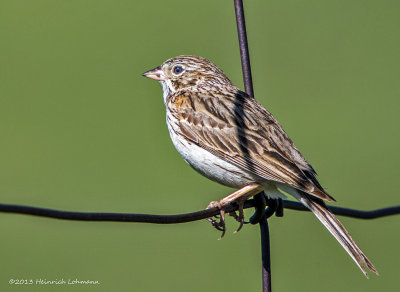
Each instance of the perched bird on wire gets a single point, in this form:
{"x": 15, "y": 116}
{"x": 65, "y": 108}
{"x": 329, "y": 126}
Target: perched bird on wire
{"x": 232, "y": 139}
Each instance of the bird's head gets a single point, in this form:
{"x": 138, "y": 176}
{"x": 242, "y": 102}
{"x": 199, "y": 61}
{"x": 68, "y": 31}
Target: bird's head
{"x": 188, "y": 72}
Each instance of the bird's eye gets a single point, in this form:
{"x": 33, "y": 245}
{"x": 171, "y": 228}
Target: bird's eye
{"x": 177, "y": 70}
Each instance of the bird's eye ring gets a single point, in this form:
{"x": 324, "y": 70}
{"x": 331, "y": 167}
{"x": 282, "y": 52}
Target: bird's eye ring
{"x": 177, "y": 70}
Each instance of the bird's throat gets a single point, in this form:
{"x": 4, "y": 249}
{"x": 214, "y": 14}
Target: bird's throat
{"x": 167, "y": 88}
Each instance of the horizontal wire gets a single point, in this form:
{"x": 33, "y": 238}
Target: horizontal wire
{"x": 181, "y": 218}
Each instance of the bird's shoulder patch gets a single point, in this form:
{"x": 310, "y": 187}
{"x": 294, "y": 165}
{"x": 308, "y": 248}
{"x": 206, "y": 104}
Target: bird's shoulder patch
{"x": 181, "y": 100}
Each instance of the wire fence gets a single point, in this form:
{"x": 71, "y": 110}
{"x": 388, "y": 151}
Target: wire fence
{"x": 259, "y": 202}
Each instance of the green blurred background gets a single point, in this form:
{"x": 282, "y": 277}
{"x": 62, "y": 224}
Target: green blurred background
{"x": 82, "y": 130}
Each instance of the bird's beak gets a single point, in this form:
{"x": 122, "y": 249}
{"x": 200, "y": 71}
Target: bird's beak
{"x": 156, "y": 74}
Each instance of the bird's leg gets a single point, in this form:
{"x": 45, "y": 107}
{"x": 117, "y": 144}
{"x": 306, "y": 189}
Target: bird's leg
{"x": 240, "y": 196}
{"x": 240, "y": 201}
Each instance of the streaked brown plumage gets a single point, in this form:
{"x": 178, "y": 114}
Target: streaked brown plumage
{"x": 232, "y": 139}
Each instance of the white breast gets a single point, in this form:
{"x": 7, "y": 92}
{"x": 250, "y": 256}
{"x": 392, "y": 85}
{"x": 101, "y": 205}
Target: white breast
{"x": 206, "y": 163}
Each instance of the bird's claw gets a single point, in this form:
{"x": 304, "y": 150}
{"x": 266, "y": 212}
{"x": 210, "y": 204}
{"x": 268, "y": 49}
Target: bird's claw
{"x": 220, "y": 224}
{"x": 219, "y": 221}
{"x": 240, "y": 216}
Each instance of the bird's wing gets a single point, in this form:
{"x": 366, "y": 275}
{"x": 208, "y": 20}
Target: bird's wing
{"x": 237, "y": 129}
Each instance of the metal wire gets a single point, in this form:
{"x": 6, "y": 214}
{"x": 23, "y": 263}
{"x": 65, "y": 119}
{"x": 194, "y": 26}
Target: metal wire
{"x": 181, "y": 218}
{"x": 259, "y": 215}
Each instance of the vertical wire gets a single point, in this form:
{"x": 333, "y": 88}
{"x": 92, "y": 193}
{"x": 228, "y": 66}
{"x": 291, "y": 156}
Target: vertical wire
{"x": 248, "y": 85}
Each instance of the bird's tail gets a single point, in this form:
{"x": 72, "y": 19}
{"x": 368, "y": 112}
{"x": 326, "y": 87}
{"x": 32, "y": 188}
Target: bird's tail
{"x": 337, "y": 229}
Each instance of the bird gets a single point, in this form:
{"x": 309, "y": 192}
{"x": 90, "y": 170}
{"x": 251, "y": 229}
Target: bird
{"x": 230, "y": 138}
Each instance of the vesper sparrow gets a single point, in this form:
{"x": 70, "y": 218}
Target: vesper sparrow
{"x": 230, "y": 138}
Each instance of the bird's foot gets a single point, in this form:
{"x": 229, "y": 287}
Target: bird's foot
{"x": 218, "y": 221}
{"x": 239, "y": 217}
{"x": 240, "y": 196}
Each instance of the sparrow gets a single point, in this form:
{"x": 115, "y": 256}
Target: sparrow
{"x": 228, "y": 137}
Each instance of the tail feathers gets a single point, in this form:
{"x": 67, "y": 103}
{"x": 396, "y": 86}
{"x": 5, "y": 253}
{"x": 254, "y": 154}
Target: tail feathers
{"x": 338, "y": 231}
